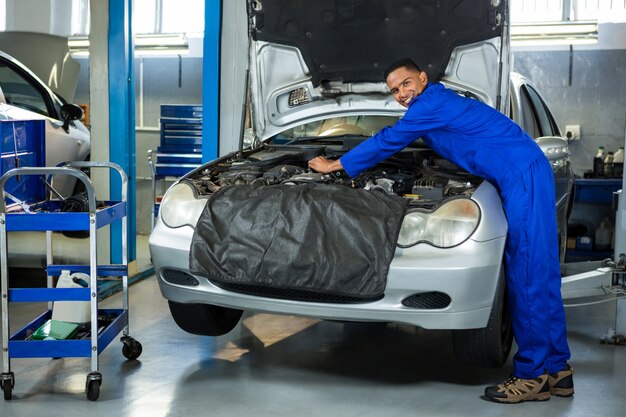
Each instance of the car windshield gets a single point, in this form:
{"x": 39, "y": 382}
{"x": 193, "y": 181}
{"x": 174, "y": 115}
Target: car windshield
{"x": 361, "y": 125}
{"x": 19, "y": 92}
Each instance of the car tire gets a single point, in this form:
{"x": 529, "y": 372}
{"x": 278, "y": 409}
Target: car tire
{"x": 488, "y": 347}
{"x": 204, "y": 319}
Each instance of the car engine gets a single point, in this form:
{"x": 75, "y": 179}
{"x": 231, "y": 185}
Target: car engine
{"x": 416, "y": 174}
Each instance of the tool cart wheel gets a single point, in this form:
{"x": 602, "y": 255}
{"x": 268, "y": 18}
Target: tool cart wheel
{"x": 131, "y": 348}
{"x": 8, "y": 390}
{"x": 7, "y": 383}
{"x": 92, "y": 387}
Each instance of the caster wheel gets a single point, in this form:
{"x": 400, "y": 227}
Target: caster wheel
{"x": 8, "y": 391}
{"x": 92, "y": 388}
{"x": 131, "y": 348}
{"x": 7, "y": 383}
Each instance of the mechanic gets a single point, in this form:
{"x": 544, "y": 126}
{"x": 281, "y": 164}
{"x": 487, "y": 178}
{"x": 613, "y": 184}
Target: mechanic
{"x": 488, "y": 144}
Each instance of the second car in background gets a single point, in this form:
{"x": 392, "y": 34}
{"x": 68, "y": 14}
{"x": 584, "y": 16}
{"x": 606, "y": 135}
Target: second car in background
{"x": 23, "y": 96}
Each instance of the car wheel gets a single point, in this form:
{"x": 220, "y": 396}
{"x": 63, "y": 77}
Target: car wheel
{"x": 204, "y": 319}
{"x": 488, "y": 347}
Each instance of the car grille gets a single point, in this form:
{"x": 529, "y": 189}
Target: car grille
{"x": 428, "y": 300}
{"x": 290, "y": 294}
{"x": 174, "y": 276}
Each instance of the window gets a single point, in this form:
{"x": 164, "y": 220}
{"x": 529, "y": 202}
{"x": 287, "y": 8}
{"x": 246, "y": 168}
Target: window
{"x": 553, "y": 10}
{"x": 21, "y": 92}
{"x": 547, "y": 125}
{"x": 601, "y": 10}
{"x": 168, "y": 16}
{"x": 79, "y": 23}
{"x": 536, "y": 10}
{"x": 536, "y": 117}
{"x": 529, "y": 120}
{"x": 338, "y": 126}
{"x": 149, "y": 16}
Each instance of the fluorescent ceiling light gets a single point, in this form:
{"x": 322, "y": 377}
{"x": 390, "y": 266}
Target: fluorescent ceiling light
{"x": 553, "y": 42}
{"x": 154, "y": 44}
{"x": 78, "y": 42}
{"x": 164, "y": 40}
{"x": 554, "y": 33}
{"x": 161, "y": 52}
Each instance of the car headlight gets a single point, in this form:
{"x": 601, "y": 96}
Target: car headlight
{"x": 449, "y": 225}
{"x": 180, "y": 207}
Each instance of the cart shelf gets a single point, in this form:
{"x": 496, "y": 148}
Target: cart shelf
{"x": 54, "y": 220}
{"x": 20, "y": 347}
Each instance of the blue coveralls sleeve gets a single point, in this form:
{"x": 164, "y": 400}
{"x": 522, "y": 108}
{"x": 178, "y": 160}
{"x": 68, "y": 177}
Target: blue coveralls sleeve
{"x": 419, "y": 119}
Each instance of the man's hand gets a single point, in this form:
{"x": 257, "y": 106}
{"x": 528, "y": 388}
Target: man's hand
{"x": 323, "y": 165}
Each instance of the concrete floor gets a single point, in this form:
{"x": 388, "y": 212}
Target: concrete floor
{"x": 288, "y": 366}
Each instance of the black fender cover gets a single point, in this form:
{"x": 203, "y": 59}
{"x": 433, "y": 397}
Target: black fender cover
{"x": 322, "y": 238}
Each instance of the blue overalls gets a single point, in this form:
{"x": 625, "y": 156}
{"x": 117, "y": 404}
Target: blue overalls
{"x": 488, "y": 144}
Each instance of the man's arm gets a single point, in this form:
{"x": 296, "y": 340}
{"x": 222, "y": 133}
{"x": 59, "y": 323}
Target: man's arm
{"x": 420, "y": 119}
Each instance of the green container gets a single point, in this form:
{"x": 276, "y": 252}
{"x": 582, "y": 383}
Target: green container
{"x": 55, "y": 329}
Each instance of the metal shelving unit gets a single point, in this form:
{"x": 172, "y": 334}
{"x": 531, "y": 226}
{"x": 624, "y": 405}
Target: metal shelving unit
{"x": 46, "y": 216}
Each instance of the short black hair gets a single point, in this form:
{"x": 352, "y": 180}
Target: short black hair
{"x": 407, "y": 63}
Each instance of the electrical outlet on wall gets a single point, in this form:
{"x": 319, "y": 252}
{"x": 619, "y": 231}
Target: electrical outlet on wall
{"x": 572, "y": 132}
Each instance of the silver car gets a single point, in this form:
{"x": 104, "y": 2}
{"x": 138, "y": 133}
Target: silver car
{"x": 221, "y": 246}
{"x": 23, "y": 96}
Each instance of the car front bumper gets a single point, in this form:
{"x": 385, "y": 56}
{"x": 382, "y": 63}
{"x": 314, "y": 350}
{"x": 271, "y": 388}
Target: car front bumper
{"x": 468, "y": 274}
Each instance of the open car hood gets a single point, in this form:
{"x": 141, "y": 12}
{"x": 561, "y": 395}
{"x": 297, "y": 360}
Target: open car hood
{"x": 354, "y": 41}
{"x": 316, "y": 58}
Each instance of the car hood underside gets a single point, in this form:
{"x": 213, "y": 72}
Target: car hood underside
{"x": 354, "y": 41}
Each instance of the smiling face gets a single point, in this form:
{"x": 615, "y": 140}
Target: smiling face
{"x": 406, "y": 84}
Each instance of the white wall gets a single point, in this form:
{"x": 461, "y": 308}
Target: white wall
{"x": 45, "y": 16}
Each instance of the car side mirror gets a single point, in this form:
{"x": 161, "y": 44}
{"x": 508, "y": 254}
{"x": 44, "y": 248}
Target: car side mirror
{"x": 69, "y": 113}
{"x": 553, "y": 147}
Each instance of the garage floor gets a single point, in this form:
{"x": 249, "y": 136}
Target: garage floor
{"x": 287, "y": 366}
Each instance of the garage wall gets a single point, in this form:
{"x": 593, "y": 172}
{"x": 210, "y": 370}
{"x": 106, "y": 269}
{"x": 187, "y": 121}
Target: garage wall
{"x": 595, "y": 100}
{"x": 165, "y": 81}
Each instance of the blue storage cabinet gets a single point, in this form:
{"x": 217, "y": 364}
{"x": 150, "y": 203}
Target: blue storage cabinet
{"x": 593, "y": 198}
{"x": 181, "y": 128}
{"x": 596, "y": 191}
{"x": 23, "y": 145}
{"x": 180, "y": 148}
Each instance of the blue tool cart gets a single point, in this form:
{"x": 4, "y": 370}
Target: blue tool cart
{"x": 47, "y": 216}
{"x": 180, "y": 148}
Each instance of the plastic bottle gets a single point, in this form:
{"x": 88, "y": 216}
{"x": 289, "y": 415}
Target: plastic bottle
{"x": 618, "y": 163}
{"x": 598, "y": 163}
{"x": 608, "y": 165}
{"x": 603, "y": 235}
{"x": 72, "y": 311}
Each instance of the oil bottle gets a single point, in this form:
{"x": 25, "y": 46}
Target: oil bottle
{"x": 598, "y": 163}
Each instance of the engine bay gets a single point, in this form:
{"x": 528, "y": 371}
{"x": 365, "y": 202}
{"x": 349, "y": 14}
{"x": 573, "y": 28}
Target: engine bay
{"x": 417, "y": 174}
